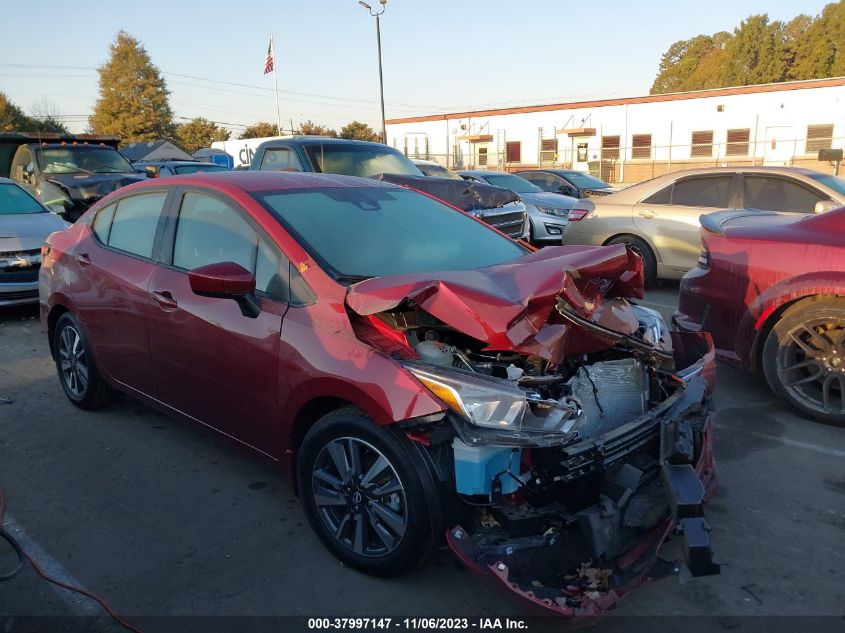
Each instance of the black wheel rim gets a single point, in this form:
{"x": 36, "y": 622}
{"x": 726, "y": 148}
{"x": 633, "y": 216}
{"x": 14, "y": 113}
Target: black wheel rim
{"x": 359, "y": 497}
{"x": 811, "y": 365}
{"x": 73, "y": 362}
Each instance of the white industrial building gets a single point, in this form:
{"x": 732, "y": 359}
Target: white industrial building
{"x": 632, "y": 139}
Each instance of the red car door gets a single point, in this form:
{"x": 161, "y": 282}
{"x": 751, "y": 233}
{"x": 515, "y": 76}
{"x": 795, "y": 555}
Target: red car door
{"x": 116, "y": 265}
{"x": 211, "y": 362}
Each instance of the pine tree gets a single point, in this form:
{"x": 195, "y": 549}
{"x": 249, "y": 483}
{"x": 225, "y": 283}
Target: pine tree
{"x": 133, "y": 102}
{"x": 198, "y": 133}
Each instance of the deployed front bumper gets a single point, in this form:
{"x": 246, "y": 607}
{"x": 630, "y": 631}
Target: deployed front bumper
{"x": 681, "y": 427}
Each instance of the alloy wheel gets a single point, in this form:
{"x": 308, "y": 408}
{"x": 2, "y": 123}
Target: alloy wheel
{"x": 73, "y": 361}
{"x": 811, "y": 365}
{"x": 359, "y": 497}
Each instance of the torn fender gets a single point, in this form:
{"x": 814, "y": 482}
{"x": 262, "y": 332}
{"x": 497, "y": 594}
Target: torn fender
{"x": 512, "y": 306}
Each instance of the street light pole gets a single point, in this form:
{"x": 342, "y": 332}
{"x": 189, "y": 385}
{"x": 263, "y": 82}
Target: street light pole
{"x": 377, "y": 15}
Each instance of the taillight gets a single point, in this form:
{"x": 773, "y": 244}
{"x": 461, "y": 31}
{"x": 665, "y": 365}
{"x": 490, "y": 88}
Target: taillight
{"x": 704, "y": 257}
{"x": 578, "y": 214}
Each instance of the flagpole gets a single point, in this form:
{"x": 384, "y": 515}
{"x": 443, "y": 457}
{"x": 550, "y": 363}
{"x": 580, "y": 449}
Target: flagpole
{"x": 276, "y": 84}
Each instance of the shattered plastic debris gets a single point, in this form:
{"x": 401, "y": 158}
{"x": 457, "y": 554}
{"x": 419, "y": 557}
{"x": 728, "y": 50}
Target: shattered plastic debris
{"x": 593, "y": 581}
{"x": 488, "y": 520}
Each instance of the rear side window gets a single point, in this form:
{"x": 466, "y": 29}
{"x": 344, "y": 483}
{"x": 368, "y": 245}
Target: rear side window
{"x": 135, "y": 222}
{"x": 714, "y": 191}
{"x": 209, "y": 231}
{"x": 778, "y": 194}
{"x": 102, "y": 223}
{"x": 280, "y": 159}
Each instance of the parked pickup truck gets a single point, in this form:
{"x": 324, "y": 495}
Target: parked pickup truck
{"x": 66, "y": 173}
{"x": 496, "y": 206}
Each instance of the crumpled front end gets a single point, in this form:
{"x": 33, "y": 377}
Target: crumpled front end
{"x": 576, "y": 437}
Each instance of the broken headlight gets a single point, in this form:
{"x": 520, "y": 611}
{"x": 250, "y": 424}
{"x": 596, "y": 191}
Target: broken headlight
{"x": 484, "y": 401}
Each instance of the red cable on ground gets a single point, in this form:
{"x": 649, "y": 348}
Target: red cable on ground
{"x": 63, "y": 585}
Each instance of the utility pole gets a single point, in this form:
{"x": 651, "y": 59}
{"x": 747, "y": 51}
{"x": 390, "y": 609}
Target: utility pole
{"x": 377, "y": 15}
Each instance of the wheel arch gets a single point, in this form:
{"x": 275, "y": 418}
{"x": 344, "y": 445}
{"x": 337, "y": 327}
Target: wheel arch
{"x": 770, "y": 307}
{"x": 638, "y": 235}
{"x": 53, "y": 317}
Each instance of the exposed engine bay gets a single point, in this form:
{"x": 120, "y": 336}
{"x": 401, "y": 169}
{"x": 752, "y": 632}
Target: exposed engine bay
{"x": 574, "y": 445}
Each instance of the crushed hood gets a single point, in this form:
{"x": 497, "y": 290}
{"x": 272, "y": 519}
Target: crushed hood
{"x": 467, "y": 196}
{"x": 89, "y": 187}
{"x": 512, "y": 306}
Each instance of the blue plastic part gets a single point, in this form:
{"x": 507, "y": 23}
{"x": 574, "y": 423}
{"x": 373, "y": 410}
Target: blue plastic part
{"x": 477, "y": 466}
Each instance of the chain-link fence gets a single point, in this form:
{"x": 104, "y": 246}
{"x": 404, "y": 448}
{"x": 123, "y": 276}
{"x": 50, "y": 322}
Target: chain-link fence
{"x": 640, "y": 160}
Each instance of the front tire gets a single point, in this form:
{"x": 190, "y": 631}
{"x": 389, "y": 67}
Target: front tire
{"x": 804, "y": 358}
{"x": 641, "y": 248}
{"x": 75, "y": 365}
{"x": 362, "y": 492}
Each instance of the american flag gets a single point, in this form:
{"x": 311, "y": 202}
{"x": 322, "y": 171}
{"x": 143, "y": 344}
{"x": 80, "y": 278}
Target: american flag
{"x": 268, "y": 64}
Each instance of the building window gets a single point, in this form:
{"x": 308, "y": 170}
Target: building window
{"x": 482, "y": 156}
{"x": 819, "y": 137}
{"x": 609, "y": 147}
{"x": 548, "y": 150}
{"x": 513, "y": 151}
{"x": 738, "y": 142}
{"x": 641, "y": 146}
{"x": 702, "y": 144}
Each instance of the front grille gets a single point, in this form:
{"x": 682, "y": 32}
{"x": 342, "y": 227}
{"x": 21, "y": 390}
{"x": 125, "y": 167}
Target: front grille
{"x": 18, "y": 275}
{"x": 508, "y": 223}
{"x": 20, "y": 266}
{"x": 17, "y": 295}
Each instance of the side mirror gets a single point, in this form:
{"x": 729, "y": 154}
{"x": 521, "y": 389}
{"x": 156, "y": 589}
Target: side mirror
{"x": 824, "y": 205}
{"x": 151, "y": 171}
{"x": 226, "y": 280}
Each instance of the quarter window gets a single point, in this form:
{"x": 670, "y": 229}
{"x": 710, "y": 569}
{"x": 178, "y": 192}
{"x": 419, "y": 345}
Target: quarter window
{"x": 661, "y": 197}
{"x": 209, "y": 231}
{"x": 135, "y": 222}
{"x": 703, "y": 192}
{"x": 778, "y": 194}
{"x": 102, "y": 223}
{"x": 280, "y": 159}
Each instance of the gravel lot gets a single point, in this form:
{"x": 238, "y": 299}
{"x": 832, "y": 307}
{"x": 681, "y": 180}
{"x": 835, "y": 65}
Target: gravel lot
{"x": 163, "y": 518}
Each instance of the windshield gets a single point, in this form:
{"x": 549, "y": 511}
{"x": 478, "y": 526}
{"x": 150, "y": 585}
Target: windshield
{"x": 15, "y": 200}
{"x": 369, "y": 232}
{"x": 359, "y": 160}
{"x": 204, "y": 167}
{"x": 438, "y": 171}
{"x": 837, "y": 183}
{"x": 92, "y": 160}
{"x": 585, "y": 181}
{"x": 514, "y": 183}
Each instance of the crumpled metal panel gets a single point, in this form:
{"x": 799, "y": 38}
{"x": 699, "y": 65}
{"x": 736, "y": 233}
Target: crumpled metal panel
{"x": 511, "y": 306}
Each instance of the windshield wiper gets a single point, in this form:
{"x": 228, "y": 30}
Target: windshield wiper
{"x": 351, "y": 279}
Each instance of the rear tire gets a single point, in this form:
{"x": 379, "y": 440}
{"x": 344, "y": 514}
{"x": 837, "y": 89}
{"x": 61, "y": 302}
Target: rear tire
{"x": 641, "y": 248}
{"x": 75, "y": 365}
{"x": 361, "y": 489}
{"x": 804, "y": 358}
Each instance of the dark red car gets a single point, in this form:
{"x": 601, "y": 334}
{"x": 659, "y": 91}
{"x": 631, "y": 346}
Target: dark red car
{"x": 771, "y": 290}
{"x": 423, "y": 378}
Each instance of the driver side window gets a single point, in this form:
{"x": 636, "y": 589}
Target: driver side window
{"x": 209, "y": 231}
{"x": 23, "y": 167}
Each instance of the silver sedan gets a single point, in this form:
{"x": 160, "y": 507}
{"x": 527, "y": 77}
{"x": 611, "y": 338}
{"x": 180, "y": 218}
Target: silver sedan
{"x": 24, "y": 225}
{"x": 659, "y": 217}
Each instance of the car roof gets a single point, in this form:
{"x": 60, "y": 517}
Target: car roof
{"x": 255, "y": 181}
{"x": 420, "y": 161}
{"x": 481, "y": 173}
{"x": 73, "y": 145}
{"x": 326, "y": 140}
{"x": 7, "y": 181}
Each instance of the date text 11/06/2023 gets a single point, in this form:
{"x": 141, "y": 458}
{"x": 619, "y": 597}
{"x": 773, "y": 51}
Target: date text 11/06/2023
{"x": 413, "y": 624}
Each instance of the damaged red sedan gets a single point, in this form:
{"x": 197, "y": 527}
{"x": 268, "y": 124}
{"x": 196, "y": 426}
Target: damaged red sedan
{"x": 424, "y": 379}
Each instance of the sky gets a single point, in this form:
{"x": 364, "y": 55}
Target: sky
{"x": 438, "y": 55}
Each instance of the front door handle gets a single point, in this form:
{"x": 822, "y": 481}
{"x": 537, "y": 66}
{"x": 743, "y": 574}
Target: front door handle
{"x": 84, "y": 259}
{"x": 648, "y": 214}
{"x": 164, "y": 300}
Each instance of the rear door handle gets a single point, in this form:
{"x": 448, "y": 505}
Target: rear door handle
{"x": 164, "y": 300}
{"x": 84, "y": 259}
{"x": 647, "y": 213}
